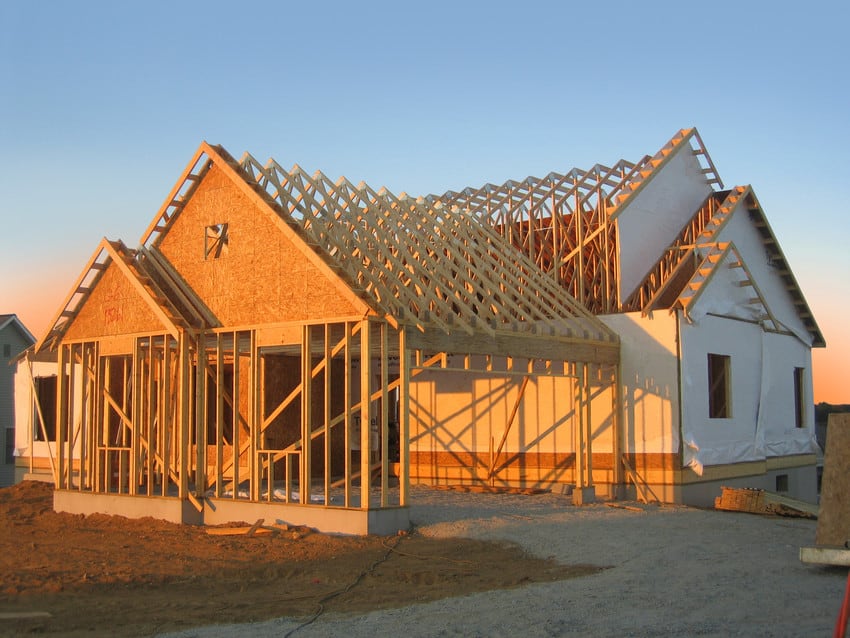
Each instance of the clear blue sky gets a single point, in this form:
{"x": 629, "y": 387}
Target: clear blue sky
{"x": 103, "y": 103}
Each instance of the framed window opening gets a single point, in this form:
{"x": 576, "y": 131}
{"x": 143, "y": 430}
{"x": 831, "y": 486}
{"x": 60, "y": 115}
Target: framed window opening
{"x": 215, "y": 241}
{"x": 45, "y": 395}
{"x": 719, "y": 386}
{"x": 10, "y": 446}
{"x": 800, "y": 397}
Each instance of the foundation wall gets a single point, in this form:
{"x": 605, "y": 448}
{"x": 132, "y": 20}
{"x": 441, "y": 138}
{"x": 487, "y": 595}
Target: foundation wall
{"x": 382, "y": 522}
{"x": 330, "y": 520}
{"x": 167, "y": 509}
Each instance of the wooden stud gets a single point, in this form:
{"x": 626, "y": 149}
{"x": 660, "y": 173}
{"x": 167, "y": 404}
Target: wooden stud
{"x": 183, "y": 403}
{"x": 579, "y": 429}
{"x": 348, "y": 410}
{"x": 404, "y": 419}
{"x": 384, "y": 417}
{"x": 219, "y": 416}
{"x": 168, "y": 418}
{"x": 326, "y": 426}
{"x": 255, "y": 392}
{"x": 238, "y": 447}
{"x": 305, "y": 476}
{"x": 365, "y": 412}
{"x": 588, "y": 437}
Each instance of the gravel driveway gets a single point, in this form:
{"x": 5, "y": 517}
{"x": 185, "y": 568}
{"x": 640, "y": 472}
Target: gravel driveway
{"x": 674, "y": 571}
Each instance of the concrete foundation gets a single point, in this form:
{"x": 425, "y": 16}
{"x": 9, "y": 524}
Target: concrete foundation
{"x": 166, "y": 509}
{"x": 333, "y": 520}
{"x": 584, "y": 495}
{"x": 220, "y": 511}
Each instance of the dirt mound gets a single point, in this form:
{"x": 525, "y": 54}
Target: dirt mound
{"x": 123, "y": 576}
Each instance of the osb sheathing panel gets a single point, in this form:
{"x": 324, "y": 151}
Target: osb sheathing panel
{"x": 114, "y": 307}
{"x": 263, "y": 277}
{"x": 834, "y": 517}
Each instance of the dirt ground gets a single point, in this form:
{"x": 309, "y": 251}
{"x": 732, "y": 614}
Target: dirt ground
{"x": 102, "y": 574}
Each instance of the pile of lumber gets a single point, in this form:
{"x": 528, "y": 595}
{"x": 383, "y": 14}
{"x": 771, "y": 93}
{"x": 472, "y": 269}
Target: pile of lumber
{"x": 757, "y": 501}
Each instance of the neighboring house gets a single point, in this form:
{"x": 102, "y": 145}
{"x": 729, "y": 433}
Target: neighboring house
{"x": 36, "y": 384}
{"x": 282, "y": 346}
{"x": 14, "y": 339}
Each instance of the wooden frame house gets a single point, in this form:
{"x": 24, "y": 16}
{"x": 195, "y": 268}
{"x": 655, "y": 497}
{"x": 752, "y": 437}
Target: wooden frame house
{"x": 715, "y": 333}
{"x": 268, "y": 349}
{"x": 287, "y": 347}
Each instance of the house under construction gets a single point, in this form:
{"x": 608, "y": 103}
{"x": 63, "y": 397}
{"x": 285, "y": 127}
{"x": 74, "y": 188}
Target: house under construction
{"x": 288, "y": 347}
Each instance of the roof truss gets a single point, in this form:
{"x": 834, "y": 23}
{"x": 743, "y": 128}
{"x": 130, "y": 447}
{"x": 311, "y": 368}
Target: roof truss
{"x": 423, "y": 264}
{"x": 562, "y": 222}
{"x": 148, "y": 284}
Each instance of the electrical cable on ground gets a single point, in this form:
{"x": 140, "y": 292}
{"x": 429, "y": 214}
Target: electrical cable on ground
{"x": 347, "y": 588}
{"x": 445, "y": 558}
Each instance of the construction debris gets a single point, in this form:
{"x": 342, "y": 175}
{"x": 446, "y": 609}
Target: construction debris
{"x": 491, "y": 489}
{"x": 242, "y": 530}
{"x": 757, "y": 501}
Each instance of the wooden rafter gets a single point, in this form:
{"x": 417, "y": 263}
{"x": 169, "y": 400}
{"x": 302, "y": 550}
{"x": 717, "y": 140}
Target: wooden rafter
{"x": 80, "y": 291}
{"x": 702, "y": 229}
{"x": 422, "y": 263}
{"x": 714, "y": 256}
{"x": 179, "y": 195}
{"x": 563, "y": 222}
{"x": 780, "y": 264}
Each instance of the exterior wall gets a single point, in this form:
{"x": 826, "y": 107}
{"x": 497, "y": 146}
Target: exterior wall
{"x": 655, "y": 216}
{"x": 740, "y": 230}
{"x": 801, "y": 479}
{"x": 17, "y": 342}
{"x": 263, "y": 277}
{"x": 457, "y": 420}
{"x": 650, "y": 385}
{"x": 762, "y": 421}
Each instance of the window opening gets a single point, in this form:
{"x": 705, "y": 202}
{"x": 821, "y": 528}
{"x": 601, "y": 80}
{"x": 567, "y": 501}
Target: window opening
{"x": 799, "y": 397}
{"x": 719, "y": 386}
{"x": 10, "y": 446}
{"x": 215, "y": 241}
{"x": 45, "y": 394}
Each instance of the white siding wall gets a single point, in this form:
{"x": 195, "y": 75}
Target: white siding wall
{"x": 762, "y": 422}
{"x": 739, "y": 229}
{"x": 653, "y": 218}
{"x": 650, "y": 381}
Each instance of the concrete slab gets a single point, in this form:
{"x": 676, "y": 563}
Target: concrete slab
{"x": 825, "y": 555}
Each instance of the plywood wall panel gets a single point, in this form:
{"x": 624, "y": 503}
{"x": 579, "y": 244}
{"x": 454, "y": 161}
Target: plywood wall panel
{"x": 263, "y": 277}
{"x": 113, "y": 308}
{"x": 834, "y": 518}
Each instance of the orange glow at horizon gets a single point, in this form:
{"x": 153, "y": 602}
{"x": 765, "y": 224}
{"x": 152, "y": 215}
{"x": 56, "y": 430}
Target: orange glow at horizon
{"x": 831, "y": 368}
